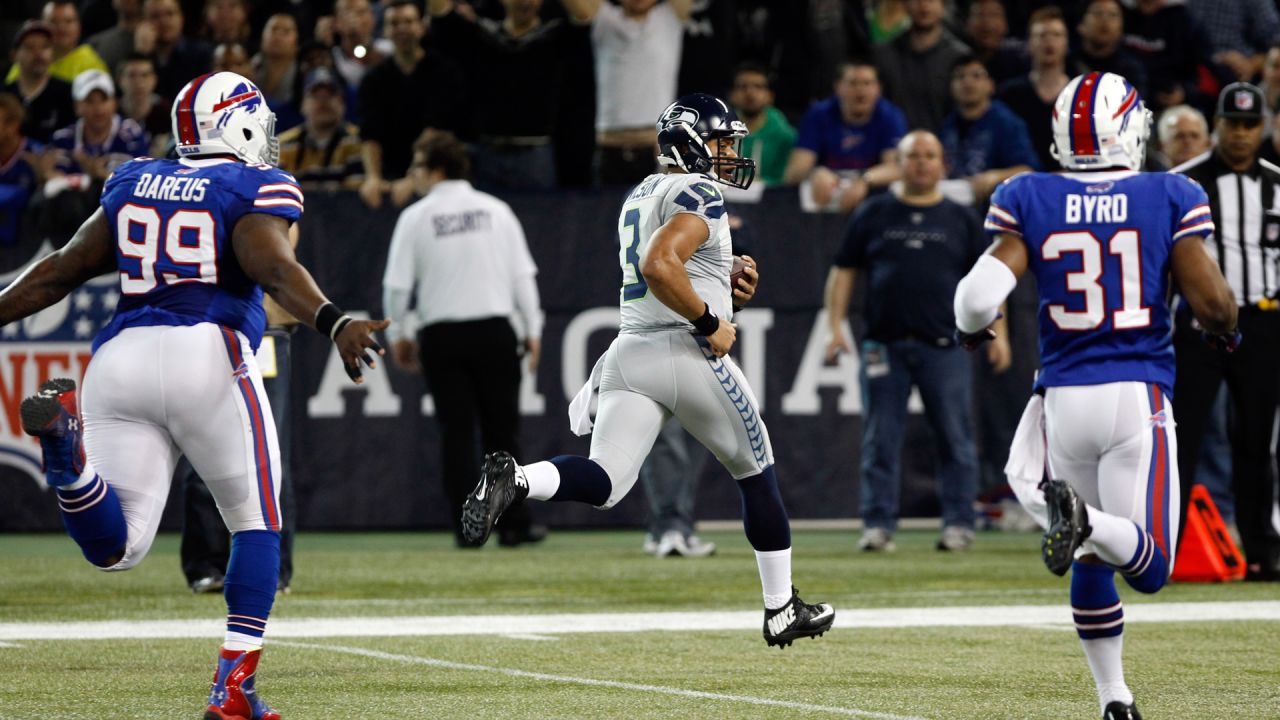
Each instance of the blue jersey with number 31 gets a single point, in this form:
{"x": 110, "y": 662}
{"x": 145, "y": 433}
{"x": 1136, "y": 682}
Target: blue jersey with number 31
{"x": 1099, "y": 244}
{"x": 172, "y": 222}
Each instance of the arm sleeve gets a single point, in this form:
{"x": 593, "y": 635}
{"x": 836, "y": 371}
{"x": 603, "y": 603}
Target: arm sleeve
{"x": 395, "y": 303}
{"x": 524, "y": 283}
{"x": 980, "y": 293}
{"x": 397, "y": 280}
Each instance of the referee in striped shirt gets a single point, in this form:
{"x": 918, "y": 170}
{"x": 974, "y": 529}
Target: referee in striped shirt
{"x": 1244, "y": 200}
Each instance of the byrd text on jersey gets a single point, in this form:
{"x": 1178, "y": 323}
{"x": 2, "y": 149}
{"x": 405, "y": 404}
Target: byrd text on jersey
{"x": 1097, "y": 208}
{"x": 168, "y": 187}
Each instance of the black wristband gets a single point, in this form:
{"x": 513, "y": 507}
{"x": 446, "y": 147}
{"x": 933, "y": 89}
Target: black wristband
{"x": 326, "y": 317}
{"x": 707, "y": 323}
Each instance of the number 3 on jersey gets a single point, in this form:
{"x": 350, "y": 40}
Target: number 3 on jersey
{"x": 633, "y": 285}
{"x": 188, "y": 254}
{"x": 1124, "y": 244}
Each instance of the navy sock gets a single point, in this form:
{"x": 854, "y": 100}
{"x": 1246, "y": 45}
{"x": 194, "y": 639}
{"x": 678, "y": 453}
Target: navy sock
{"x": 1095, "y": 602}
{"x": 764, "y": 517}
{"x": 93, "y": 518}
{"x": 1148, "y": 570}
{"x": 581, "y": 480}
{"x": 250, "y": 587}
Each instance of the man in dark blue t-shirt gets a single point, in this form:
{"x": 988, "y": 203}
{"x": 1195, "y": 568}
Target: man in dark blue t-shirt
{"x": 854, "y": 132}
{"x": 912, "y": 247}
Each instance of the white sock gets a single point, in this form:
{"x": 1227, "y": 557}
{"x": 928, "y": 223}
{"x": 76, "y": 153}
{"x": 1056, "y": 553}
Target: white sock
{"x": 775, "y": 577}
{"x": 1115, "y": 538}
{"x": 85, "y": 478}
{"x": 1105, "y": 662}
{"x": 239, "y": 642}
{"x": 544, "y": 479}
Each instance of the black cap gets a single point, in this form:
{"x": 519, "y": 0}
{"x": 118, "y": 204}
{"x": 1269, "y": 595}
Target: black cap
{"x": 1241, "y": 101}
{"x": 321, "y": 77}
{"x": 32, "y": 26}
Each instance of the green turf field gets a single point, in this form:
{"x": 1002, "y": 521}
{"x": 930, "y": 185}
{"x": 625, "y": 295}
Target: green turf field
{"x": 876, "y": 663}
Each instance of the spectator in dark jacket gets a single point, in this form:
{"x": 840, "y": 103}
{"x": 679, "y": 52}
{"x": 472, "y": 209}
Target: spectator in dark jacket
{"x": 1171, "y": 45}
{"x": 1102, "y": 45}
{"x": 914, "y": 68}
{"x": 414, "y": 89}
{"x": 46, "y": 99}
{"x": 1032, "y": 96}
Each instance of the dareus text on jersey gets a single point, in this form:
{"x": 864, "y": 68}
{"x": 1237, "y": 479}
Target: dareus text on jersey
{"x": 168, "y": 187}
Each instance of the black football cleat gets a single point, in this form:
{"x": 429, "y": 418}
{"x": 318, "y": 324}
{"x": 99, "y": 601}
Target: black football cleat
{"x": 1119, "y": 711}
{"x": 1068, "y": 526}
{"x": 796, "y": 619}
{"x": 502, "y": 484}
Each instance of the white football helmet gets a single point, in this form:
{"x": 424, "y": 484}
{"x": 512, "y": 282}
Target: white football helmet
{"x": 221, "y": 113}
{"x": 1099, "y": 121}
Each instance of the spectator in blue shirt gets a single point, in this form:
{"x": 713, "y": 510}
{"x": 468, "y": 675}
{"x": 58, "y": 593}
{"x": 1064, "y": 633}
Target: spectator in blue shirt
{"x": 855, "y": 132}
{"x": 100, "y": 139}
{"x": 18, "y": 177}
{"x": 985, "y": 142}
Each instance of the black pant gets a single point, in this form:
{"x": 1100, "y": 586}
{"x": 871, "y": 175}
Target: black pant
{"x": 473, "y": 372}
{"x": 1252, "y": 374}
{"x": 206, "y": 545}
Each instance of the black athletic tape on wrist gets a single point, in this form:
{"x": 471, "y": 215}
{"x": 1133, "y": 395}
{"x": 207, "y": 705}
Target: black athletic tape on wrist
{"x": 326, "y": 317}
{"x": 708, "y": 323}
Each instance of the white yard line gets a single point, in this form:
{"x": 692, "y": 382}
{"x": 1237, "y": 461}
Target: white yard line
{"x": 566, "y": 623}
{"x": 570, "y": 679}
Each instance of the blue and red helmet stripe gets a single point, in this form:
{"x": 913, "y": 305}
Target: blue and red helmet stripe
{"x": 187, "y": 131}
{"x": 1084, "y": 134}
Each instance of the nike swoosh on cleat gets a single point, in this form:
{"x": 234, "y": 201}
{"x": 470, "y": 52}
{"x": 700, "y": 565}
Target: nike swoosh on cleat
{"x": 484, "y": 486}
{"x": 829, "y": 611}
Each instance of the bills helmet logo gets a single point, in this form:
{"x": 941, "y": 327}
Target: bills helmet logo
{"x": 242, "y": 97}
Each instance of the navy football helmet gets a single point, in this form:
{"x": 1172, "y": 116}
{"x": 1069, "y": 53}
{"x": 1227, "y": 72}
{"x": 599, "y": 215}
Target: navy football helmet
{"x": 685, "y": 130}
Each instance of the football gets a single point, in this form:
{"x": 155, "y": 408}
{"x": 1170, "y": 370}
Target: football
{"x": 739, "y": 271}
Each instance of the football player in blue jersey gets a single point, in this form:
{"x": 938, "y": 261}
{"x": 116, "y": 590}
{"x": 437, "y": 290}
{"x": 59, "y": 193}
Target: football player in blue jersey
{"x": 195, "y": 242}
{"x": 1103, "y": 241}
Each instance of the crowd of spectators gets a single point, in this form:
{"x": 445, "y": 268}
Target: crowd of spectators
{"x": 563, "y": 93}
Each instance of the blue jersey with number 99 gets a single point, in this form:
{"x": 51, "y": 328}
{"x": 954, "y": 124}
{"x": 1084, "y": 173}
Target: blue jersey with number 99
{"x": 172, "y": 222}
{"x": 1099, "y": 244}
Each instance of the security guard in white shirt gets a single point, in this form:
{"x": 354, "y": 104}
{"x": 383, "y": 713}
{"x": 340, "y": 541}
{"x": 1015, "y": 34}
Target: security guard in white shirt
{"x": 463, "y": 253}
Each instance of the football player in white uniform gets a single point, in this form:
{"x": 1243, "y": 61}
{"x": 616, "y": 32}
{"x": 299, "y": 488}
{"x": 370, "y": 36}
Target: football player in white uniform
{"x": 671, "y": 358}
{"x": 195, "y": 242}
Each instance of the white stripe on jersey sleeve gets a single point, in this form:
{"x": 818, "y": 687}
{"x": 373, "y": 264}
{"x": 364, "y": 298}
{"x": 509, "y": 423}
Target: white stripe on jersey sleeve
{"x": 1004, "y": 216}
{"x": 1204, "y": 228}
{"x": 276, "y": 202}
{"x": 992, "y": 225}
{"x": 281, "y": 187}
{"x": 1194, "y": 213}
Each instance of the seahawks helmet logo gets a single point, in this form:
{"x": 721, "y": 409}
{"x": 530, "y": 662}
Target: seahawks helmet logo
{"x": 680, "y": 114}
